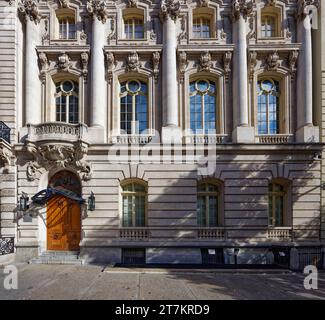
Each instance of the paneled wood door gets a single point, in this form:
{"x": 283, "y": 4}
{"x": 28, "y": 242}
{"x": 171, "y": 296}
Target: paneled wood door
{"x": 63, "y": 215}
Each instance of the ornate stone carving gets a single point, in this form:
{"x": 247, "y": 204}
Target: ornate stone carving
{"x": 46, "y": 35}
{"x": 64, "y": 62}
{"x": 271, "y": 3}
{"x": 5, "y": 152}
{"x": 153, "y": 32}
{"x": 83, "y": 34}
{"x": 84, "y": 59}
{"x": 205, "y": 63}
{"x": 170, "y": 8}
{"x": 183, "y": 34}
{"x": 10, "y": 2}
{"x": 155, "y": 62}
{"x": 98, "y": 9}
{"x": 44, "y": 63}
{"x": 304, "y": 7}
{"x": 226, "y": 64}
{"x": 55, "y": 155}
{"x": 29, "y": 9}
{"x": 132, "y": 62}
{"x": 252, "y": 62}
{"x": 112, "y": 34}
{"x": 182, "y": 60}
{"x": 110, "y": 61}
{"x": 57, "y": 145}
{"x": 292, "y": 61}
{"x": 132, "y": 3}
{"x": 241, "y": 7}
{"x": 203, "y": 3}
{"x": 64, "y": 3}
{"x": 272, "y": 61}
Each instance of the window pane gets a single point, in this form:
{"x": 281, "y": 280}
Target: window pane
{"x": 201, "y": 209}
{"x": 213, "y": 211}
{"x": 139, "y": 211}
{"x": 127, "y": 211}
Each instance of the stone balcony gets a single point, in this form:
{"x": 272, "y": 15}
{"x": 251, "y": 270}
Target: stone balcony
{"x": 57, "y": 131}
{"x": 57, "y": 145}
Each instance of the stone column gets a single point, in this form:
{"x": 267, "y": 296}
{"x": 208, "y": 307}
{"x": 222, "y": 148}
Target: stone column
{"x": 169, "y": 12}
{"x": 33, "y": 106}
{"x": 242, "y": 133}
{"x": 98, "y": 92}
{"x": 306, "y": 131}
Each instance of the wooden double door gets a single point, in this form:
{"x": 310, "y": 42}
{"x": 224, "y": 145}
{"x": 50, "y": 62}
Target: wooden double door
{"x": 63, "y": 215}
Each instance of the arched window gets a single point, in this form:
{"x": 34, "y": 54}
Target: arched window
{"x": 134, "y": 28}
{"x": 201, "y": 27}
{"x": 208, "y": 204}
{"x": 277, "y": 204}
{"x": 203, "y": 107}
{"x": 134, "y": 199}
{"x": 67, "y": 101}
{"x": 134, "y": 106}
{"x": 268, "y": 109}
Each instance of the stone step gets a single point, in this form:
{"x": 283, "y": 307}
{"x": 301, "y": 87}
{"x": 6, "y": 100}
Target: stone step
{"x": 58, "y": 257}
{"x": 56, "y": 261}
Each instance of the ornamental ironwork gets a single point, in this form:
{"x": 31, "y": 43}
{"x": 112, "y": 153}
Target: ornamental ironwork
{"x": 42, "y": 197}
{"x": 4, "y": 132}
{"x": 6, "y": 245}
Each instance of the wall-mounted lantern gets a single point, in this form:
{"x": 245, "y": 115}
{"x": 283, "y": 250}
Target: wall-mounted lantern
{"x": 23, "y": 202}
{"x": 91, "y": 202}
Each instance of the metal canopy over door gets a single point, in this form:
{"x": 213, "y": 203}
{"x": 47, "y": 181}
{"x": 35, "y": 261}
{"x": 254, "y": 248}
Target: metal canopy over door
{"x": 64, "y": 214}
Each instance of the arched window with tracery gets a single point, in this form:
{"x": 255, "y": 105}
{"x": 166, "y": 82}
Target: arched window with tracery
{"x": 203, "y": 107}
{"x": 268, "y": 108}
{"x": 67, "y": 101}
{"x": 133, "y": 106}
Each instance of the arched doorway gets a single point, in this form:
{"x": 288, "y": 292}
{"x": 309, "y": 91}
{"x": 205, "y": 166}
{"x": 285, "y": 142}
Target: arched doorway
{"x": 63, "y": 214}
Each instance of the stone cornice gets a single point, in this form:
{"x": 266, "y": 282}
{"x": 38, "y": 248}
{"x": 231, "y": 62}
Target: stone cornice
{"x": 29, "y": 9}
{"x": 241, "y": 7}
{"x": 98, "y": 9}
{"x": 170, "y": 8}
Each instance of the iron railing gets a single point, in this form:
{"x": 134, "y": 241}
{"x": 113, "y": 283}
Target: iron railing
{"x": 310, "y": 256}
{"x": 6, "y": 245}
{"x": 4, "y": 132}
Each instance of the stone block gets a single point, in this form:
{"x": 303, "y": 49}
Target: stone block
{"x": 174, "y": 255}
{"x": 243, "y": 135}
{"x": 98, "y": 255}
{"x": 307, "y": 134}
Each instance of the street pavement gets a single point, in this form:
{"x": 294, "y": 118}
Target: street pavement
{"x": 39, "y": 282}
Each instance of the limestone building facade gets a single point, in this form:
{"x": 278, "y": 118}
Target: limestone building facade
{"x": 193, "y": 128}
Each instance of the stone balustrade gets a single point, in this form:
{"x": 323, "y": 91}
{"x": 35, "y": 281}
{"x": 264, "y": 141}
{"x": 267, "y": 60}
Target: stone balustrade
{"x": 134, "y": 234}
{"x": 275, "y": 139}
{"x": 206, "y": 139}
{"x": 57, "y": 131}
{"x": 284, "y": 234}
{"x": 212, "y": 233}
